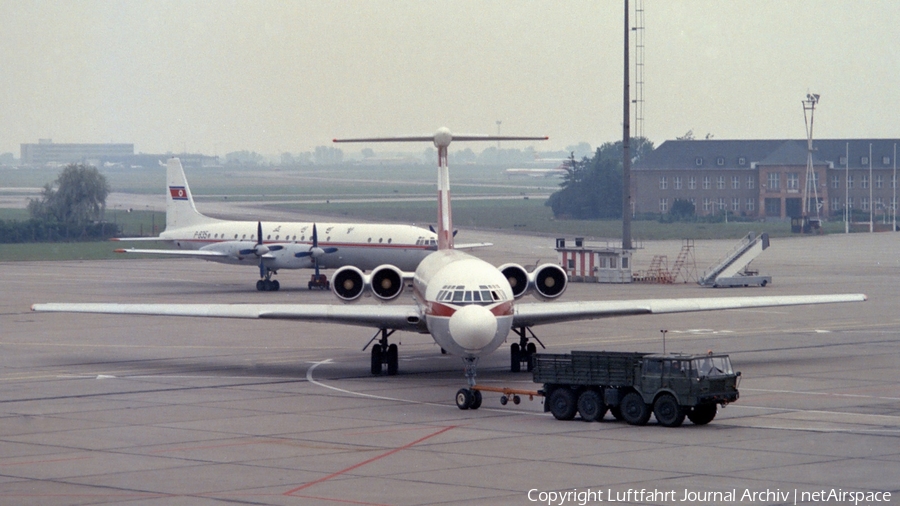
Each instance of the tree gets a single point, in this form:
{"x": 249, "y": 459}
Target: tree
{"x": 592, "y": 188}
{"x": 79, "y": 197}
{"x": 682, "y": 209}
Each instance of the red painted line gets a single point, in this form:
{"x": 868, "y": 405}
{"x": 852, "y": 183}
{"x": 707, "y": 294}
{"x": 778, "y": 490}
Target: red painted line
{"x": 366, "y": 462}
{"x": 339, "y": 501}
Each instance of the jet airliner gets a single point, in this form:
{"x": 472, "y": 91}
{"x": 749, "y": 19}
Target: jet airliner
{"x": 468, "y": 306}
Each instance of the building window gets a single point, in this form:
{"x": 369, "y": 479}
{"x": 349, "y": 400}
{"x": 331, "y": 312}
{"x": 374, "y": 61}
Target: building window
{"x": 864, "y": 160}
{"x": 663, "y": 183}
{"x": 720, "y": 182}
{"x": 735, "y": 182}
{"x": 835, "y": 181}
{"x": 706, "y": 204}
{"x": 850, "y": 181}
{"x": 722, "y": 204}
{"x": 864, "y": 181}
{"x": 692, "y": 183}
{"x": 842, "y": 160}
{"x": 751, "y": 205}
{"x": 879, "y": 180}
{"x": 849, "y": 202}
{"x": 886, "y": 160}
{"x": 865, "y": 203}
{"x": 835, "y": 204}
{"x": 742, "y": 161}
{"x": 677, "y": 182}
{"x": 663, "y": 205}
{"x": 793, "y": 181}
{"x": 736, "y": 205}
{"x": 699, "y": 161}
{"x": 751, "y": 182}
{"x": 773, "y": 182}
{"x": 720, "y": 161}
{"x": 706, "y": 182}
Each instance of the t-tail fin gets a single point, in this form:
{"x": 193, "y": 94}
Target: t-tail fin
{"x": 180, "y": 209}
{"x": 441, "y": 140}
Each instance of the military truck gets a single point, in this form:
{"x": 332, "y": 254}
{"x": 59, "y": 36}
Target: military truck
{"x": 634, "y": 385}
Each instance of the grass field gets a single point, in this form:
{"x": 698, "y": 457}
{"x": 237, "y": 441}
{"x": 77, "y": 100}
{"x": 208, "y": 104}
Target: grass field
{"x": 518, "y": 208}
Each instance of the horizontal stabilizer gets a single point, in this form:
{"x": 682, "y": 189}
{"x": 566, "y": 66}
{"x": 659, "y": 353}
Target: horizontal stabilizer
{"x": 472, "y": 245}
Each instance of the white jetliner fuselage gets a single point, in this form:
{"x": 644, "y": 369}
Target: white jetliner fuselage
{"x": 282, "y": 245}
{"x": 467, "y": 305}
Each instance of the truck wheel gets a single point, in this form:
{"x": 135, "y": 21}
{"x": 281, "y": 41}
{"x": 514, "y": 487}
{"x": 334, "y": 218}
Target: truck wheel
{"x": 616, "y": 412}
{"x": 667, "y": 411}
{"x": 590, "y": 407}
{"x": 563, "y": 404}
{"x": 702, "y": 414}
{"x": 634, "y": 410}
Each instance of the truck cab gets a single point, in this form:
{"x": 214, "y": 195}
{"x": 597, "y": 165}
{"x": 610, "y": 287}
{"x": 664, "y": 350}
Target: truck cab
{"x": 696, "y": 383}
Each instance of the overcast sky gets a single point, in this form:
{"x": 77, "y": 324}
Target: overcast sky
{"x": 220, "y": 76}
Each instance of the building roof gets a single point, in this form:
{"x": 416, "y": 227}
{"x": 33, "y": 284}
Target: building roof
{"x": 742, "y": 154}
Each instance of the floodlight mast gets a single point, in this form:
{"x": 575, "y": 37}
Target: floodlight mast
{"x": 809, "y": 105}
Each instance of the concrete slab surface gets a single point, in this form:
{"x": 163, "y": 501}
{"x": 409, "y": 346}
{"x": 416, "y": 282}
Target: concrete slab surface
{"x": 142, "y": 410}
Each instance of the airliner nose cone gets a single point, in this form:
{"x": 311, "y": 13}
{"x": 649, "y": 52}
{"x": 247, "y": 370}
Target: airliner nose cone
{"x": 473, "y": 327}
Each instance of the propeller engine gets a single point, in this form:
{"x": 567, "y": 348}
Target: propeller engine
{"x": 260, "y": 249}
{"x": 546, "y": 282}
{"x": 315, "y": 252}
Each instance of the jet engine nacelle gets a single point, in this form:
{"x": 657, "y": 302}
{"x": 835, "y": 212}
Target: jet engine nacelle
{"x": 547, "y": 281}
{"x": 385, "y": 283}
{"x": 348, "y": 283}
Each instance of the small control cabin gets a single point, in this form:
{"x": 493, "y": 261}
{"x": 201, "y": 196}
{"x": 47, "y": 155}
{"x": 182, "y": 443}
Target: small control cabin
{"x": 594, "y": 263}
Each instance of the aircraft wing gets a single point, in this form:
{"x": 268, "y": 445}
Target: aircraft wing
{"x": 556, "y": 312}
{"x": 156, "y": 239}
{"x": 176, "y": 252}
{"x": 400, "y": 317}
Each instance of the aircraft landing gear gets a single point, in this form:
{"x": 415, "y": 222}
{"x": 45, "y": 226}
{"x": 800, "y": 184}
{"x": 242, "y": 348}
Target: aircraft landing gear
{"x": 384, "y": 354}
{"x": 267, "y": 284}
{"x": 522, "y": 352}
{"x": 469, "y": 398}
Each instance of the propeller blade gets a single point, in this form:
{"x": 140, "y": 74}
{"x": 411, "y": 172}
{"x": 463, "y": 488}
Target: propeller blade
{"x": 315, "y": 237}
{"x": 329, "y": 250}
{"x": 258, "y": 233}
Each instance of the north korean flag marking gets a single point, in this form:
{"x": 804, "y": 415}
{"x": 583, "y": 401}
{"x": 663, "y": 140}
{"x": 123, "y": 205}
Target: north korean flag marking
{"x": 178, "y": 192}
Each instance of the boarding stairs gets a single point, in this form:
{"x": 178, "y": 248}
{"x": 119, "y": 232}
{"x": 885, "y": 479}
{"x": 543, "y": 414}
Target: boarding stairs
{"x": 737, "y": 260}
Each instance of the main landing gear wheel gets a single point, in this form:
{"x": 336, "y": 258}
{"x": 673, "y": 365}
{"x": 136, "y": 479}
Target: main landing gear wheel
{"x": 268, "y": 285}
{"x": 384, "y": 354}
{"x": 468, "y": 399}
{"x": 523, "y": 351}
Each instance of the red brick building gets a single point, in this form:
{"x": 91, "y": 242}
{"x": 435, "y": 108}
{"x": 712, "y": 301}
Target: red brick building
{"x": 767, "y": 178}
